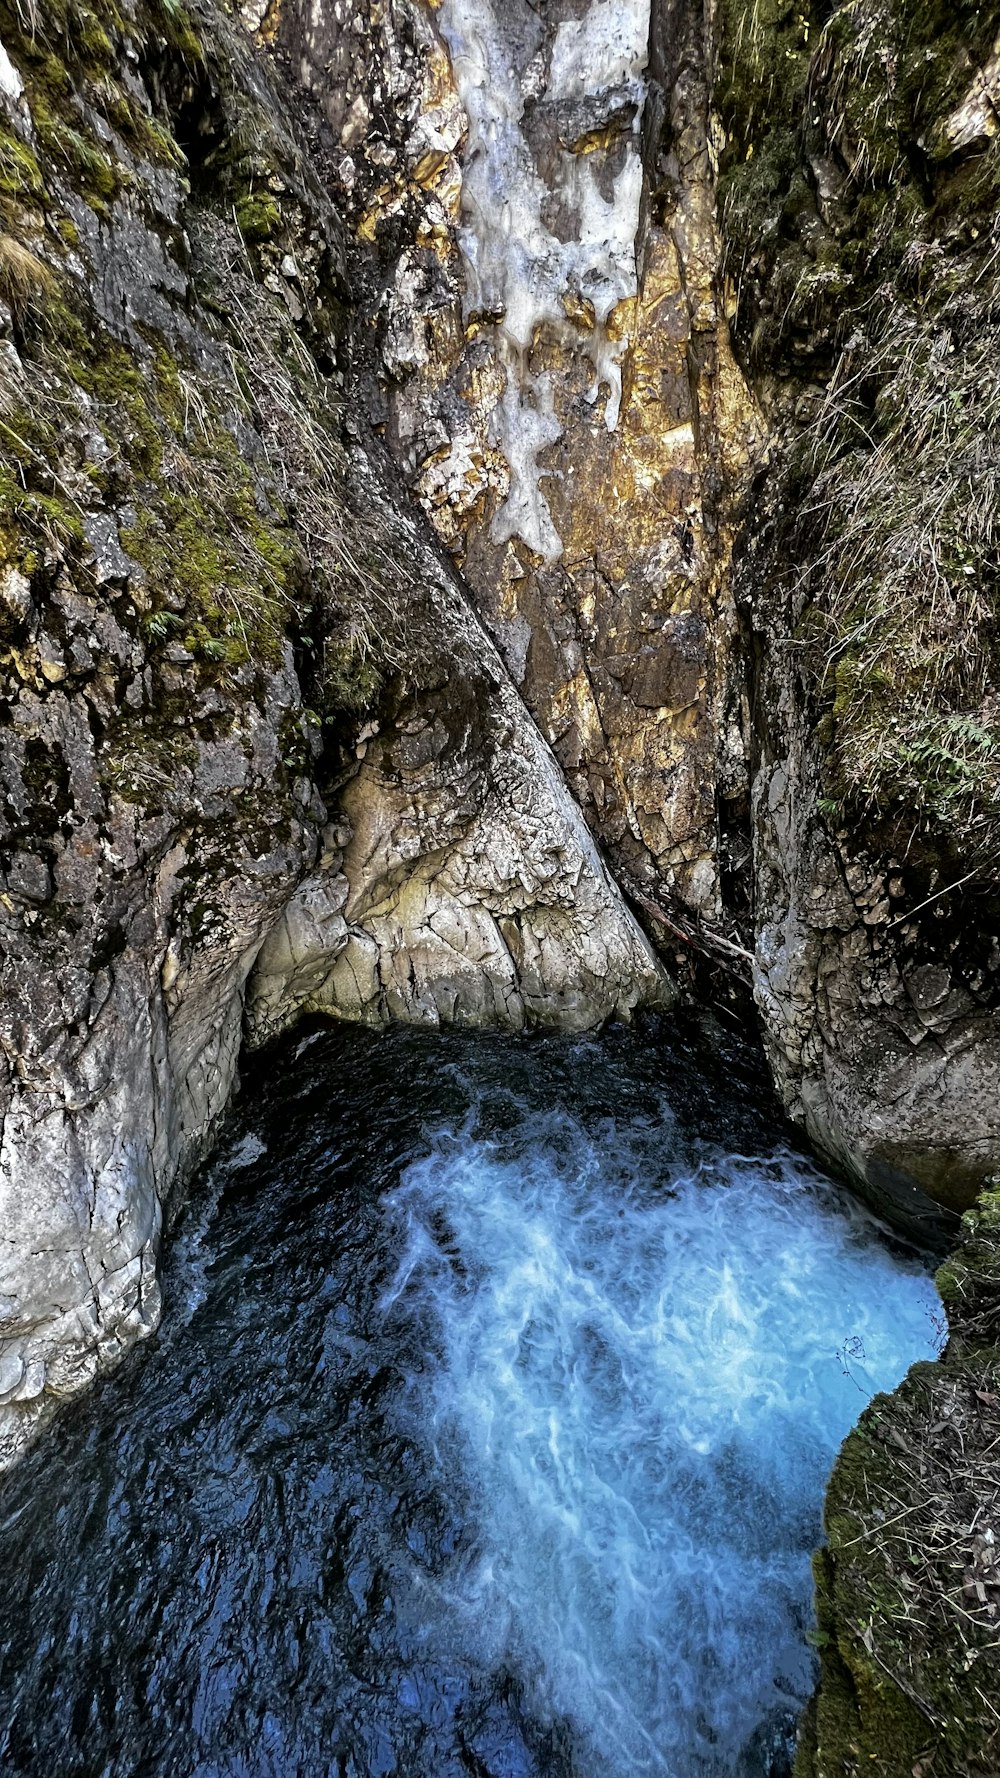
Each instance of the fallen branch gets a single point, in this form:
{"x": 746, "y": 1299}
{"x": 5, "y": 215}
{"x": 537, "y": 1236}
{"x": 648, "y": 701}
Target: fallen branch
{"x": 693, "y": 934}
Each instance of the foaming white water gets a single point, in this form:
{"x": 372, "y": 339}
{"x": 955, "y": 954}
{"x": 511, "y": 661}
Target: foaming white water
{"x": 518, "y": 268}
{"x": 641, "y": 1370}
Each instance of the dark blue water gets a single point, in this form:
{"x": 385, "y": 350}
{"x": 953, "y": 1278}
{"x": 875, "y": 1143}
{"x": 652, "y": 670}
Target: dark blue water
{"x": 486, "y": 1433}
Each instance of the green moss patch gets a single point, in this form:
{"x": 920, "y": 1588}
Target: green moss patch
{"x": 908, "y": 1587}
{"x": 865, "y": 269}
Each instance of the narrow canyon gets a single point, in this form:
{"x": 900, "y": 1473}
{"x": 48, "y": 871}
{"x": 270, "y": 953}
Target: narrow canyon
{"x": 500, "y": 924}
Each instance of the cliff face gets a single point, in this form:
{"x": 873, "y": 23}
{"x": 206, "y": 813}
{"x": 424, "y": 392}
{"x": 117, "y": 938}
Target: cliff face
{"x": 859, "y": 192}
{"x": 534, "y": 195}
{"x": 245, "y": 703}
{"x": 561, "y": 225}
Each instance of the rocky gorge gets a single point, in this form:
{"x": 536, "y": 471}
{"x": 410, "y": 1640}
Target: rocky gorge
{"x": 497, "y": 512}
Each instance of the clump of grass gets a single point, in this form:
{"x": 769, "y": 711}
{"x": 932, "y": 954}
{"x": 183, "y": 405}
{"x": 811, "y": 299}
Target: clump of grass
{"x": 26, "y": 282}
{"x": 356, "y": 592}
{"x": 20, "y": 175}
{"x": 902, "y": 464}
{"x": 854, "y": 67}
{"x": 765, "y": 54}
{"x": 91, "y": 169}
{"x": 830, "y": 114}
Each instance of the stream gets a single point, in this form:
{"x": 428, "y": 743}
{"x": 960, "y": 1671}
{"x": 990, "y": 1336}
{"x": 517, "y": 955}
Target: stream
{"x": 486, "y": 1431}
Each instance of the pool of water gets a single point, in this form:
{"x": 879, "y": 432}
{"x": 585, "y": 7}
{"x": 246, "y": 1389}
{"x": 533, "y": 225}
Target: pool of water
{"x": 486, "y": 1432}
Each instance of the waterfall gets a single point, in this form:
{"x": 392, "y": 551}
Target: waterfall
{"x": 522, "y": 270}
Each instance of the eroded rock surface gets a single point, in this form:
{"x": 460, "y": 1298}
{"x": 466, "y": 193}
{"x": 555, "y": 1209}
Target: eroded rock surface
{"x": 462, "y": 884}
{"x": 231, "y": 664}
{"x": 555, "y": 374}
{"x": 886, "y": 1050}
{"x": 863, "y": 243}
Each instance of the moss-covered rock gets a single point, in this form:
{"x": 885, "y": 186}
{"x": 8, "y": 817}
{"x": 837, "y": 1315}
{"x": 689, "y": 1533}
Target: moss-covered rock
{"x": 864, "y": 268}
{"x": 167, "y": 415}
{"x": 908, "y": 1586}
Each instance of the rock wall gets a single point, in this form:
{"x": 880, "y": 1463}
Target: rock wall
{"x": 248, "y": 712}
{"x": 883, "y": 1041}
{"x": 534, "y": 194}
{"x": 534, "y": 202}
{"x": 859, "y": 200}
{"x": 907, "y": 1598}
{"x": 461, "y": 884}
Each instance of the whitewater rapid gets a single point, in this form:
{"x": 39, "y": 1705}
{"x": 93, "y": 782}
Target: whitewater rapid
{"x": 643, "y": 1363}
{"x": 486, "y": 1432}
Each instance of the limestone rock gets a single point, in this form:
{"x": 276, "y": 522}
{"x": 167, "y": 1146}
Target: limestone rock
{"x": 893, "y": 1070}
{"x": 469, "y": 892}
{"x": 556, "y": 376}
{"x": 250, "y": 713}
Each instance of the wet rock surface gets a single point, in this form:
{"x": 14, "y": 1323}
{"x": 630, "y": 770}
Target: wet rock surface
{"x": 534, "y": 199}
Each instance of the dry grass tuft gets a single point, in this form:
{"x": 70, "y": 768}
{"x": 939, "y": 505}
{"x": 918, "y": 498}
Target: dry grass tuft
{"x": 27, "y": 11}
{"x": 360, "y": 592}
{"x": 26, "y": 282}
{"x": 903, "y": 582}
